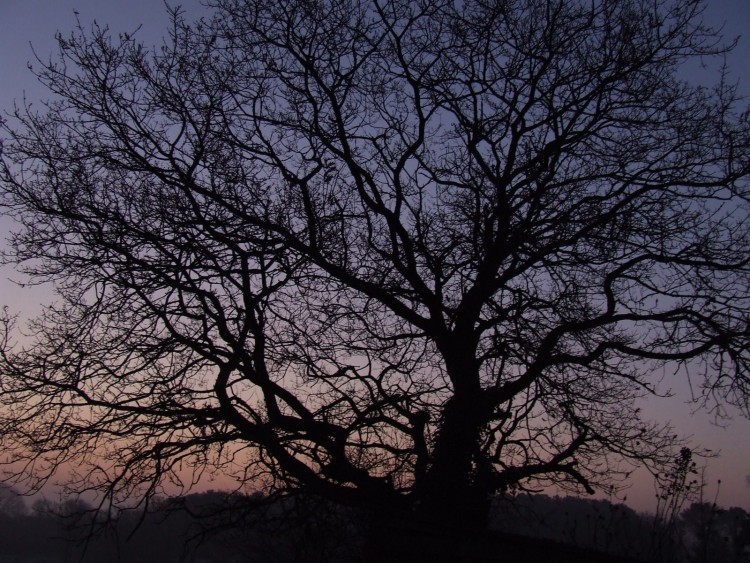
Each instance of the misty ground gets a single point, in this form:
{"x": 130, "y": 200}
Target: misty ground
{"x": 219, "y": 527}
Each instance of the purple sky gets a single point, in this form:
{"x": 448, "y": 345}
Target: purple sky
{"x": 25, "y": 22}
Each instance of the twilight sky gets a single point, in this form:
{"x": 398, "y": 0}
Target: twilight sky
{"x": 24, "y": 23}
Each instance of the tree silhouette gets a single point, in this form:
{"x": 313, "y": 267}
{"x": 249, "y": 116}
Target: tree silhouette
{"x": 394, "y": 253}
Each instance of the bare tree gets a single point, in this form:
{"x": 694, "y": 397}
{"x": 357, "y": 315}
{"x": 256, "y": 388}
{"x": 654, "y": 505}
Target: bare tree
{"x": 389, "y": 252}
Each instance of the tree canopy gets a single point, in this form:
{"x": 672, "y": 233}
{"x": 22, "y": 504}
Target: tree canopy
{"x": 386, "y": 251}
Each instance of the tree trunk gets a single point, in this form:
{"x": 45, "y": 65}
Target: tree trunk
{"x": 450, "y": 507}
{"x": 454, "y": 492}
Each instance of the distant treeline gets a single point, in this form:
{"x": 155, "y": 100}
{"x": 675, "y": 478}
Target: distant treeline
{"x": 702, "y": 533}
{"x": 228, "y": 528}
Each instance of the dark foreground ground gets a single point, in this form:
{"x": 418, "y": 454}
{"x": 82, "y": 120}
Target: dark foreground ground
{"x": 221, "y": 528}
